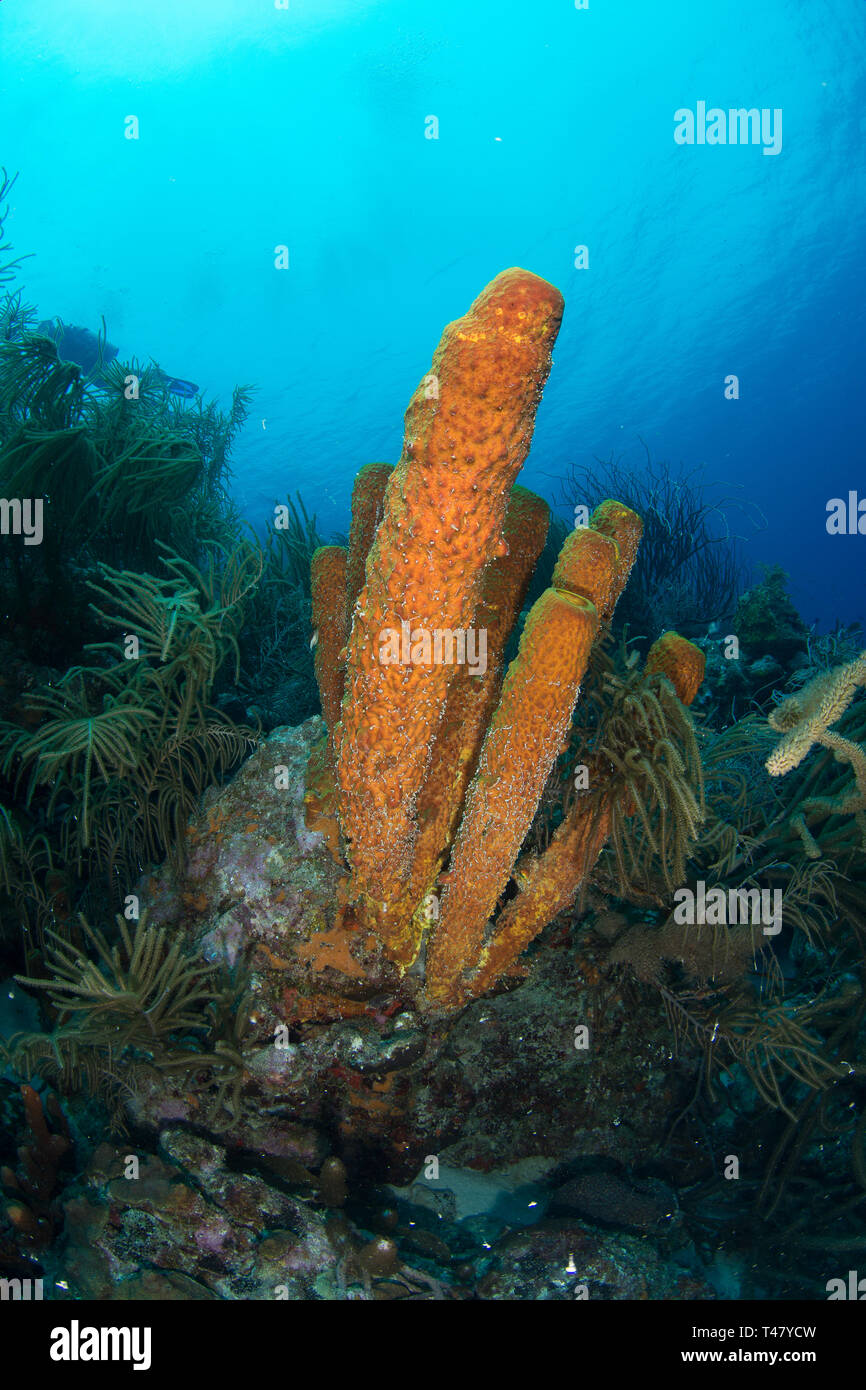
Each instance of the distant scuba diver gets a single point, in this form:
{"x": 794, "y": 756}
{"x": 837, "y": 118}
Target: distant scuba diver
{"x": 92, "y": 354}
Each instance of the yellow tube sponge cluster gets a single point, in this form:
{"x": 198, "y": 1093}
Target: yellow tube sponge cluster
{"x": 437, "y": 757}
{"x": 588, "y": 564}
{"x": 526, "y": 733}
{"x": 468, "y": 430}
{"x": 548, "y": 884}
{"x": 472, "y": 695}
{"x": 591, "y": 566}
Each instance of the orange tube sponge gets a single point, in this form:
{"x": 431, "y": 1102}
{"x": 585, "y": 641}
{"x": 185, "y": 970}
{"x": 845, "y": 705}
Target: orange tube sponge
{"x": 472, "y": 697}
{"x": 368, "y": 501}
{"x": 548, "y": 884}
{"x": 594, "y": 561}
{"x": 621, "y": 524}
{"x": 681, "y": 661}
{"x": 524, "y": 737}
{"x": 468, "y": 430}
{"x": 589, "y": 564}
{"x": 328, "y": 589}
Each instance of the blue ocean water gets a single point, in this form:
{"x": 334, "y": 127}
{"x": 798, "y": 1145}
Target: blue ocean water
{"x": 306, "y": 124}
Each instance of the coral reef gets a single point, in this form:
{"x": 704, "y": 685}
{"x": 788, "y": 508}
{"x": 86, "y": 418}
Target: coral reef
{"x": 398, "y": 1004}
{"x": 767, "y": 621}
{"x": 223, "y": 1235}
{"x": 113, "y": 757}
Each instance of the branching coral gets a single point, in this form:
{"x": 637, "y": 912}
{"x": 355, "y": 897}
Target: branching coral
{"x": 7, "y": 268}
{"x": 805, "y": 719}
{"x": 110, "y": 746}
{"x": 186, "y": 625}
{"x": 771, "y": 1042}
{"x": 113, "y": 464}
{"x": 120, "y": 753}
{"x": 79, "y": 744}
{"x": 133, "y": 993}
{"x": 132, "y": 1005}
{"x": 122, "y": 471}
{"x": 277, "y": 666}
{"x": 32, "y": 1208}
{"x": 799, "y": 840}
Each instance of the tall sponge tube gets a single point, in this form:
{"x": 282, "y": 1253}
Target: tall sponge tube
{"x": 524, "y": 737}
{"x": 468, "y": 430}
{"x": 328, "y": 591}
